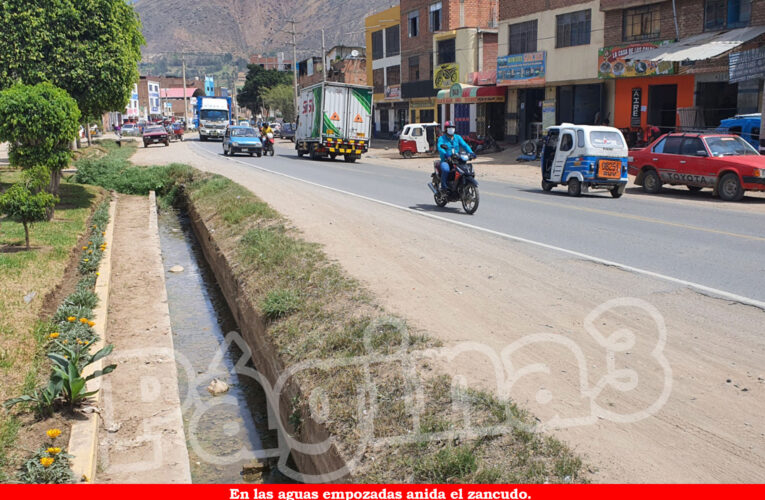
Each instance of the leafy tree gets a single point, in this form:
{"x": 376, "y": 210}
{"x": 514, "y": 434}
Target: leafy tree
{"x": 39, "y": 122}
{"x": 259, "y": 81}
{"x": 282, "y": 98}
{"x": 27, "y": 201}
{"x": 89, "y": 48}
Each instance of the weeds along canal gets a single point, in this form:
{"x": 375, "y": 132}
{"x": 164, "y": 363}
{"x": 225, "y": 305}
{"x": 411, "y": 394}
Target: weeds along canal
{"x": 223, "y": 431}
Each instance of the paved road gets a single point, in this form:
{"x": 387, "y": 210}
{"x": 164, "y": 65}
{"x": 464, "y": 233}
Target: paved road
{"x": 710, "y": 246}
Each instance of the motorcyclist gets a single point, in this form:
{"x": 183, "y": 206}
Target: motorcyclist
{"x": 266, "y": 129}
{"x": 448, "y": 144}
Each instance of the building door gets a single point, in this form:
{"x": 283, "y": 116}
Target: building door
{"x": 462, "y": 118}
{"x": 717, "y": 100}
{"x": 427, "y": 116}
{"x": 495, "y": 117}
{"x": 384, "y": 121}
{"x": 530, "y": 111}
{"x": 662, "y": 107}
{"x": 587, "y": 100}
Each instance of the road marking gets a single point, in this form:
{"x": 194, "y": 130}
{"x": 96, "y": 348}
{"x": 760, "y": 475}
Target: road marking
{"x": 627, "y": 216}
{"x": 706, "y": 290}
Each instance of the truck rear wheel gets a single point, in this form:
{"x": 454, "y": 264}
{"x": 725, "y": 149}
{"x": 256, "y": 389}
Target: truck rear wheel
{"x": 350, "y": 158}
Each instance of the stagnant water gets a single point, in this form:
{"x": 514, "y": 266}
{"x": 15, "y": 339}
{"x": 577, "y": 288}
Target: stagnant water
{"x": 219, "y": 429}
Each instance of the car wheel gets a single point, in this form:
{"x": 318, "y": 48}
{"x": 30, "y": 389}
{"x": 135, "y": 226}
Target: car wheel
{"x": 574, "y": 187}
{"x": 651, "y": 182}
{"x": 694, "y": 189}
{"x": 251, "y": 154}
{"x": 407, "y": 154}
{"x": 145, "y": 145}
{"x": 618, "y": 191}
{"x": 729, "y": 188}
{"x": 547, "y": 186}
{"x": 259, "y": 154}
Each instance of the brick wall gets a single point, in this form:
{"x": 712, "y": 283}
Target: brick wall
{"x": 476, "y": 13}
{"x": 508, "y": 9}
{"x": 353, "y": 71}
{"x": 490, "y": 51}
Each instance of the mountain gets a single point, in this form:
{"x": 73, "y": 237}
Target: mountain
{"x": 244, "y": 27}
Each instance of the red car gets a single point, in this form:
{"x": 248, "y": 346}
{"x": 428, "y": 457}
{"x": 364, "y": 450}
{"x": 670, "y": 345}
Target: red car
{"x": 726, "y": 163}
{"x": 155, "y": 134}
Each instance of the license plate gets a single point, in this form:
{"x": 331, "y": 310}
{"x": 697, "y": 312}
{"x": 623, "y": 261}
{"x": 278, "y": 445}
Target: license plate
{"x": 155, "y": 140}
{"x": 245, "y": 150}
{"x": 610, "y": 169}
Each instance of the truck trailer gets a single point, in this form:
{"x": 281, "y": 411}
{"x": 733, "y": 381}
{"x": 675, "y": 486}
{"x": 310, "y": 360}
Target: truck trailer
{"x": 213, "y": 115}
{"x": 334, "y": 119}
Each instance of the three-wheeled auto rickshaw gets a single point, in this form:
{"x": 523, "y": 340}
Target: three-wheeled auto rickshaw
{"x": 418, "y": 138}
{"x": 584, "y": 157}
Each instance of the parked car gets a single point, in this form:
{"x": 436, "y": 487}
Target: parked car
{"x": 418, "y": 138}
{"x": 155, "y": 134}
{"x": 242, "y": 140}
{"x": 287, "y": 131}
{"x": 746, "y": 126}
{"x": 726, "y": 163}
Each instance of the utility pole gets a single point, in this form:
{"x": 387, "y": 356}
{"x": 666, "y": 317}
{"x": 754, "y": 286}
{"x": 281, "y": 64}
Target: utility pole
{"x": 185, "y": 100}
{"x": 235, "y": 105}
{"x": 294, "y": 64}
{"x": 323, "y": 58}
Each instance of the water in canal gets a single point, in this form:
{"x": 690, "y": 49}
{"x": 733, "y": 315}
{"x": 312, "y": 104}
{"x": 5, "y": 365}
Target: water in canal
{"x": 220, "y": 430}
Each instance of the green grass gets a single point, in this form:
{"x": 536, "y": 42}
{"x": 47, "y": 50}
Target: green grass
{"x": 280, "y": 303}
{"x": 22, "y": 361}
{"x": 446, "y": 465}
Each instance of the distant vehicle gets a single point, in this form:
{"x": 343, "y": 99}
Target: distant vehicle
{"x": 213, "y": 116}
{"x": 747, "y": 127}
{"x": 584, "y": 157}
{"x": 240, "y": 139}
{"x": 178, "y": 130}
{"x": 130, "y": 129}
{"x": 334, "y": 119}
{"x": 418, "y": 138}
{"x": 725, "y": 163}
{"x": 155, "y": 134}
{"x": 288, "y": 131}
{"x": 244, "y": 123}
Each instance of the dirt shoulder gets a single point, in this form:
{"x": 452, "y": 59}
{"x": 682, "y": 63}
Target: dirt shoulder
{"x": 142, "y": 438}
{"x": 687, "y": 403}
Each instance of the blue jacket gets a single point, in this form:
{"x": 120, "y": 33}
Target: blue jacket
{"x": 454, "y": 143}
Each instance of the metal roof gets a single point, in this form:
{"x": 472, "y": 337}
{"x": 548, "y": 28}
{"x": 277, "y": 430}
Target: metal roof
{"x": 702, "y": 46}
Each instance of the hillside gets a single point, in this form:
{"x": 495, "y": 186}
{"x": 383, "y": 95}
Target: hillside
{"x": 244, "y": 27}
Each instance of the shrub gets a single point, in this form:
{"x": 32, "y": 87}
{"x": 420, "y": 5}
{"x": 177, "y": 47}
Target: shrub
{"x": 27, "y": 202}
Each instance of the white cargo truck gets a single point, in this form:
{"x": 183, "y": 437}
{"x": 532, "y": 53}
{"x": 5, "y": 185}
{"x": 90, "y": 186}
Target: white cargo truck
{"x": 334, "y": 119}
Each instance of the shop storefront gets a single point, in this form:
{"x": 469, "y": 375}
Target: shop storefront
{"x": 422, "y": 110}
{"x": 524, "y": 75}
{"x": 474, "y": 109}
{"x": 639, "y": 102}
{"x": 390, "y": 115}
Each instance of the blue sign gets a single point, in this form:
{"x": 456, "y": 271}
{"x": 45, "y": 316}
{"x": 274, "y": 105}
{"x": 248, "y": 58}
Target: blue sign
{"x": 209, "y": 86}
{"x": 521, "y": 69}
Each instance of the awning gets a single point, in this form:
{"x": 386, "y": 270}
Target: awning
{"x": 469, "y": 94}
{"x": 702, "y": 46}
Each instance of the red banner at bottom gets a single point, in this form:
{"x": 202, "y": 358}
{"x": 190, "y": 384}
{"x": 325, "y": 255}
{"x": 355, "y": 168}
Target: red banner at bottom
{"x": 381, "y": 492}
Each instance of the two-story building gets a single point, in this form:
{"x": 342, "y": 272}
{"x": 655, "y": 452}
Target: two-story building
{"x": 420, "y": 21}
{"x": 684, "y": 64}
{"x": 548, "y": 53}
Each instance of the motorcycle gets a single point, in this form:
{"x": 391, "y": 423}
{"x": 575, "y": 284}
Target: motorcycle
{"x": 482, "y": 143}
{"x": 462, "y": 184}
{"x": 268, "y": 144}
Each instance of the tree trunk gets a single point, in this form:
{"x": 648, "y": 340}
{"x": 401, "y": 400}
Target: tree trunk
{"x": 26, "y": 234}
{"x": 87, "y": 133}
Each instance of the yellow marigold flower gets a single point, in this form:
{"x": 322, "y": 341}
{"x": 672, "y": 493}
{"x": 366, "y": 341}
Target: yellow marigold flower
{"x": 84, "y": 320}
{"x": 54, "y": 450}
{"x": 71, "y": 319}
{"x": 53, "y": 433}
{"x": 91, "y": 324}
{"x": 87, "y": 260}
{"x": 84, "y": 248}
{"x": 46, "y": 461}
{"x": 54, "y": 335}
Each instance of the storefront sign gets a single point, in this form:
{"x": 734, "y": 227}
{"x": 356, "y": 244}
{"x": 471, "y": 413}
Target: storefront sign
{"x": 636, "y": 108}
{"x": 747, "y": 65}
{"x": 393, "y": 92}
{"x": 548, "y": 114}
{"x": 521, "y": 69}
{"x": 446, "y": 75}
{"x": 618, "y": 61}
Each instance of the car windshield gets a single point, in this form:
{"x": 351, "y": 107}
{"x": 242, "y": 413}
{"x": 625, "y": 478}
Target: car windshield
{"x": 155, "y": 129}
{"x": 604, "y": 139}
{"x": 216, "y": 115}
{"x": 243, "y": 132}
{"x": 729, "y": 146}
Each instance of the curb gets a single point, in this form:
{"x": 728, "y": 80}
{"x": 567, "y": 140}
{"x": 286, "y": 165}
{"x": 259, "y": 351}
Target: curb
{"x": 83, "y": 439}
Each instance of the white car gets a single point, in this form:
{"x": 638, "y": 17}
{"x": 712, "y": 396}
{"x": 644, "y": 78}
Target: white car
{"x": 244, "y": 123}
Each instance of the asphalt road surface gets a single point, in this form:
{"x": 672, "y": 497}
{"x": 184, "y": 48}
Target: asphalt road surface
{"x": 711, "y": 249}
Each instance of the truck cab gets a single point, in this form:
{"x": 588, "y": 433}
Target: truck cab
{"x": 214, "y": 115}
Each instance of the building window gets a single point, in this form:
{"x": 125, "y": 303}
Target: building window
{"x": 414, "y": 23}
{"x": 392, "y": 41}
{"x": 641, "y": 23}
{"x": 394, "y": 75}
{"x": 523, "y": 37}
{"x": 720, "y": 14}
{"x": 377, "y": 45}
{"x": 435, "y": 17}
{"x": 378, "y": 76}
{"x": 414, "y": 69}
{"x": 573, "y": 29}
{"x": 446, "y": 53}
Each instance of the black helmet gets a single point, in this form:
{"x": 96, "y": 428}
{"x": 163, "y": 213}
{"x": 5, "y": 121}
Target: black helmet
{"x": 265, "y": 124}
